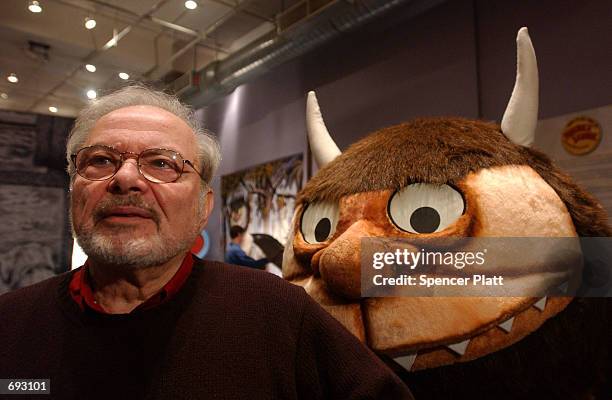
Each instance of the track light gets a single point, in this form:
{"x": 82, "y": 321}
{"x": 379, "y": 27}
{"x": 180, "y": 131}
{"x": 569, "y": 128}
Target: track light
{"x": 91, "y": 94}
{"x": 34, "y": 6}
{"x": 191, "y": 4}
{"x": 53, "y": 109}
{"x": 90, "y": 23}
{"x": 123, "y": 75}
{"x": 90, "y": 67}
{"x": 12, "y": 78}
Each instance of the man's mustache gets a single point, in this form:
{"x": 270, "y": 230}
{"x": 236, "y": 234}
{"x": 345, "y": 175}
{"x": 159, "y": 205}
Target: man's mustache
{"x": 104, "y": 208}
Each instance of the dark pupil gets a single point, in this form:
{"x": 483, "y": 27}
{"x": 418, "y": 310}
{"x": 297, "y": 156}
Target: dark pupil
{"x": 322, "y": 229}
{"x": 425, "y": 220}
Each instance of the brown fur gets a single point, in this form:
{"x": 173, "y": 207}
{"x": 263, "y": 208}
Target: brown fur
{"x": 437, "y": 150}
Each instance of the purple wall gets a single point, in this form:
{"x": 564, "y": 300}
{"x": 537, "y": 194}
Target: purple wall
{"x": 456, "y": 59}
{"x": 573, "y": 43}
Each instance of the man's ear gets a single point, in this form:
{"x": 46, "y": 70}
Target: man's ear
{"x": 207, "y": 206}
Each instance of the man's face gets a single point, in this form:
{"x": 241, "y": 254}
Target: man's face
{"x": 127, "y": 220}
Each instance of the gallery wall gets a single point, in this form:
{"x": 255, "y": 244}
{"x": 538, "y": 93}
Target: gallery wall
{"x": 456, "y": 59}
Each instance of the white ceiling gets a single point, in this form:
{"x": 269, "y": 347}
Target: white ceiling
{"x": 155, "y": 31}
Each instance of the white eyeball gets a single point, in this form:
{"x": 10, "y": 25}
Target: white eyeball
{"x": 319, "y": 221}
{"x": 425, "y": 207}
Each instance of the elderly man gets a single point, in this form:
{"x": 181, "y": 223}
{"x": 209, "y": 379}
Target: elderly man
{"x": 141, "y": 319}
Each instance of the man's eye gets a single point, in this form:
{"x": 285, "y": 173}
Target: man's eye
{"x": 319, "y": 221}
{"x": 162, "y": 164}
{"x": 100, "y": 161}
{"x": 425, "y": 208}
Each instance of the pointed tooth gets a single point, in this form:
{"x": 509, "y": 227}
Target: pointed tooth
{"x": 507, "y": 325}
{"x": 406, "y": 361}
{"x": 460, "y": 347}
{"x": 540, "y": 304}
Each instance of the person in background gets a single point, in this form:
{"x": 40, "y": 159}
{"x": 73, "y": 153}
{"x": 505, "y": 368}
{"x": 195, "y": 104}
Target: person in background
{"x": 235, "y": 254}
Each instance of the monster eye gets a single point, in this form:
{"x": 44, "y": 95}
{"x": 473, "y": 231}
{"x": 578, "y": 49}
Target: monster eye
{"x": 425, "y": 207}
{"x": 319, "y": 221}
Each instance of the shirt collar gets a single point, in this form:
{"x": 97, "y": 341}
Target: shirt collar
{"x": 82, "y": 293}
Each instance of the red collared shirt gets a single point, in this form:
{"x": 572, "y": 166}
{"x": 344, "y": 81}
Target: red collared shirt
{"x": 82, "y": 293}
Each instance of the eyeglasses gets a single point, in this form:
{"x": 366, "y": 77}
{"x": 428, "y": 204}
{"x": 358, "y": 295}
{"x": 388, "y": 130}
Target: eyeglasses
{"x": 98, "y": 163}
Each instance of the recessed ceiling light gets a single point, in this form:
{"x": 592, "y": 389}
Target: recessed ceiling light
{"x": 90, "y": 67}
{"x": 191, "y": 5}
{"x": 4, "y": 96}
{"x": 34, "y": 6}
{"x": 124, "y": 76}
{"x": 12, "y": 78}
{"x": 53, "y": 109}
{"x": 90, "y": 23}
{"x": 91, "y": 94}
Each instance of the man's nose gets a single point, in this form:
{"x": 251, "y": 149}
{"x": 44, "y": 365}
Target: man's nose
{"x": 128, "y": 179}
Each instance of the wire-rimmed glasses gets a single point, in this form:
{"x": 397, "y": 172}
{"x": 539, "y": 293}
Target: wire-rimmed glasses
{"x": 99, "y": 162}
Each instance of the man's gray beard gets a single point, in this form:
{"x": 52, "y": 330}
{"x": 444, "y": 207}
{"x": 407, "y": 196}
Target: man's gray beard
{"x": 136, "y": 253}
{"x": 144, "y": 252}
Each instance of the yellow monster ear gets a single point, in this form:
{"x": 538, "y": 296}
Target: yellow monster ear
{"x": 521, "y": 115}
{"x": 323, "y": 147}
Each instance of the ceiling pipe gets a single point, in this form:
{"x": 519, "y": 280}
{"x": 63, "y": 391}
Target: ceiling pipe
{"x": 220, "y": 78}
{"x": 200, "y": 36}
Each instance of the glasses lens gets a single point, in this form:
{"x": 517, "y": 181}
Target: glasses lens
{"x": 97, "y": 162}
{"x": 159, "y": 165}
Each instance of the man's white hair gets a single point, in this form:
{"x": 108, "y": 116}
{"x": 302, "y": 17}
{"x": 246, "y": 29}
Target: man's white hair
{"x": 208, "y": 152}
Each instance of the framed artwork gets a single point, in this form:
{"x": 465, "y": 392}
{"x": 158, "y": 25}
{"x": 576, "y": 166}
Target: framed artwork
{"x": 261, "y": 199}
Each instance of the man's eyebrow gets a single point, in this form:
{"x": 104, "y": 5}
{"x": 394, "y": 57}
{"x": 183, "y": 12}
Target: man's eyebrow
{"x": 101, "y": 144}
{"x": 119, "y": 149}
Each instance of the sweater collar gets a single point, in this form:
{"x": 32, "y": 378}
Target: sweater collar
{"x": 82, "y": 293}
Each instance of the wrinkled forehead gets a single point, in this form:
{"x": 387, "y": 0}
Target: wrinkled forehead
{"x": 439, "y": 150}
{"x": 137, "y": 128}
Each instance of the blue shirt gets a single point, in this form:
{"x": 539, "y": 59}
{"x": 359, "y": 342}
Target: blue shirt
{"x": 235, "y": 255}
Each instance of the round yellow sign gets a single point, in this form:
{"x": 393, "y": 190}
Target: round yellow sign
{"x": 581, "y": 136}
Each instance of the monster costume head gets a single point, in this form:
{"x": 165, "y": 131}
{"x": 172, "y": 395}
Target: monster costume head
{"x": 451, "y": 177}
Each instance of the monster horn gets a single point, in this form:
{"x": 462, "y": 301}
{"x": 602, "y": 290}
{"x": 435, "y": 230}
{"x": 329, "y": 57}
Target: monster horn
{"x": 521, "y": 115}
{"x": 322, "y": 145}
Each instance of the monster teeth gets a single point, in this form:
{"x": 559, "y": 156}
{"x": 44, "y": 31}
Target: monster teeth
{"x": 507, "y": 325}
{"x": 540, "y": 304}
{"x": 460, "y": 347}
{"x": 406, "y": 361}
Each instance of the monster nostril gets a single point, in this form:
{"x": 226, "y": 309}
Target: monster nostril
{"x": 314, "y": 263}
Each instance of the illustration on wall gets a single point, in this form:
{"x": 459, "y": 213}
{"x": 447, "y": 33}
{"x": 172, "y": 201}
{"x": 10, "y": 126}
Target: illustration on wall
{"x": 261, "y": 199}
{"x": 34, "y": 235}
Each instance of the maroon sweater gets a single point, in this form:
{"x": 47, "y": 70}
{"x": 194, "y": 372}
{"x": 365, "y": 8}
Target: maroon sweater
{"x": 230, "y": 333}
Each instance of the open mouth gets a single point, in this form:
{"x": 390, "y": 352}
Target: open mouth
{"x": 409, "y": 331}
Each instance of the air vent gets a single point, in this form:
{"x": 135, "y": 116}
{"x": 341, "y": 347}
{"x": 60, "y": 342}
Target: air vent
{"x": 185, "y": 84}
